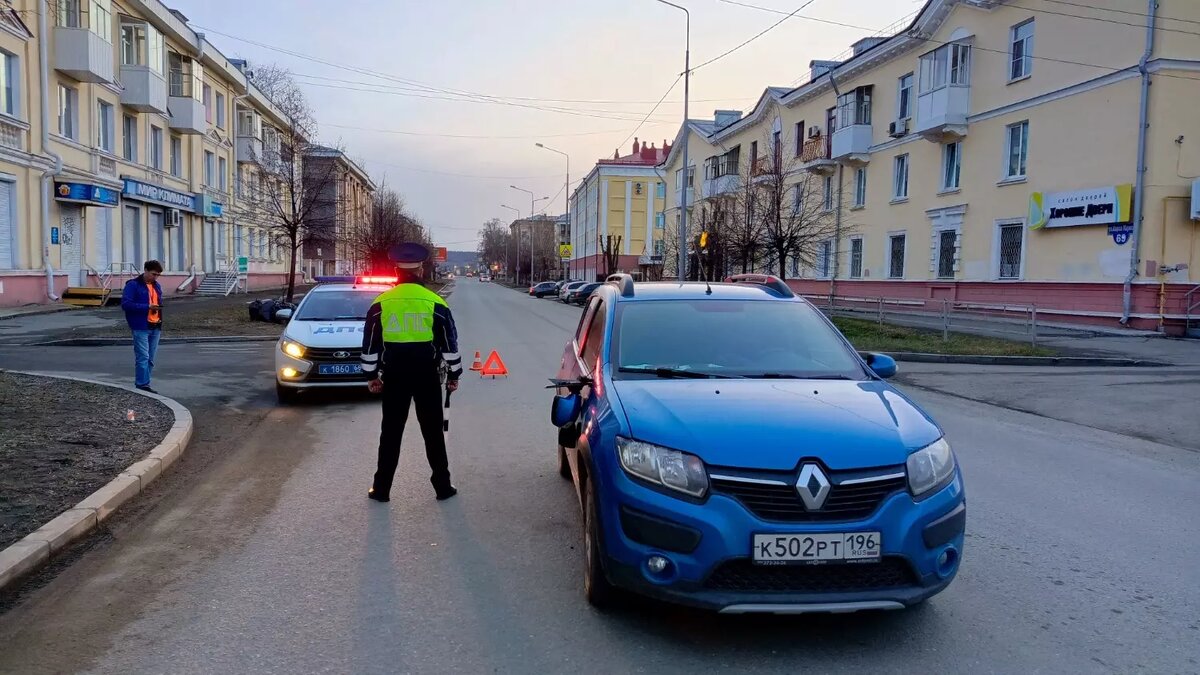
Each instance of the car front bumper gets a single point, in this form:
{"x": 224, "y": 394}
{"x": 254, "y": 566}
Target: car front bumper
{"x": 307, "y": 378}
{"x": 708, "y": 546}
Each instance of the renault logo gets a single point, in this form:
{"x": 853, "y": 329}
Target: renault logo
{"x": 813, "y": 487}
{"x": 341, "y": 355}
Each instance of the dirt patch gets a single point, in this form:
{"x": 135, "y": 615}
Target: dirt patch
{"x": 870, "y": 336}
{"x": 203, "y": 317}
{"x": 60, "y": 441}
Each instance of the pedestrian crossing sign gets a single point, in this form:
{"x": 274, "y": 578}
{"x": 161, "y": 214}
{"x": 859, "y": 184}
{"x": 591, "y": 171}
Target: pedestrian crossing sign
{"x": 564, "y": 251}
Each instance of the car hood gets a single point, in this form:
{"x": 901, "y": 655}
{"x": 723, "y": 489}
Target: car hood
{"x": 326, "y": 333}
{"x": 773, "y": 424}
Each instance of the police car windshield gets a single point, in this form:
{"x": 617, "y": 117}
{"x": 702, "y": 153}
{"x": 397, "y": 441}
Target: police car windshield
{"x": 730, "y": 338}
{"x": 336, "y": 305}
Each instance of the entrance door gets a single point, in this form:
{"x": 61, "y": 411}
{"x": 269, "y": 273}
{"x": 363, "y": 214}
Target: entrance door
{"x": 131, "y": 238}
{"x": 8, "y": 249}
{"x": 71, "y": 239}
{"x": 101, "y": 255}
{"x": 155, "y": 242}
{"x": 210, "y": 247}
{"x": 221, "y": 244}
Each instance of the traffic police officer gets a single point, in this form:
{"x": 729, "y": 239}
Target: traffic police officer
{"x": 409, "y": 330}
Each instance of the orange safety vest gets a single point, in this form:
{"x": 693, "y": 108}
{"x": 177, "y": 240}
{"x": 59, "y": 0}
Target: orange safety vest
{"x": 153, "y": 316}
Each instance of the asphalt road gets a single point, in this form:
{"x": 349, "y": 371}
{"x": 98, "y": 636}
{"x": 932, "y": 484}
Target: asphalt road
{"x": 261, "y": 552}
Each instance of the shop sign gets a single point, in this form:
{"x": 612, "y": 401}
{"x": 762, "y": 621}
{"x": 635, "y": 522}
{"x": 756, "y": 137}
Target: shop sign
{"x": 1096, "y": 206}
{"x": 157, "y": 194}
{"x": 207, "y": 206}
{"x": 86, "y": 193}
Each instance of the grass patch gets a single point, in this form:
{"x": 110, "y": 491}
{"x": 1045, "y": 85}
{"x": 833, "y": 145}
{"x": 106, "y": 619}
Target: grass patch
{"x": 874, "y": 337}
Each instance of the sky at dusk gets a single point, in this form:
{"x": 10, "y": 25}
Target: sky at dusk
{"x": 444, "y": 101}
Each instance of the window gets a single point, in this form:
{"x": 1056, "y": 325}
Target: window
{"x": 860, "y": 186}
{"x": 947, "y": 253}
{"x": 825, "y": 259}
{"x": 856, "y": 256}
{"x": 799, "y": 139}
{"x": 69, "y": 14}
{"x": 1021, "y": 63}
{"x": 776, "y": 146}
{"x": 854, "y": 107}
{"x": 797, "y": 198}
{"x": 142, "y": 45}
{"x": 156, "y": 147}
{"x": 828, "y": 203}
{"x": 223, "y": 170}
{"x": 659, "y": 246}
{"x": 1018, "y": 149}
{"x": 10, "y": 78}
{"x": 100, "y": 15}
{"x": 900, "y": 178}
{"x": 186, "y": 77}
{"x": 947, "y": 64}
{"x": 896, "y": 256}
{"x": 660, "y": 220}
{"x": 208, "y": 105}
{"x": 176, "y": 156}
{"x": 951, "y": 165}
{"x": 660, "y": 189}
{"x": 220, "y": 111}
{"x": 1011, "y": 240}
{"x": 210, "y": 169}
{"x": 904, "y": 97}
{"x": 105, "y": 126}
{"x": 753, "y": 155}
{"x": 130, "y": 129}
{"x": 594, "y": 340}
{"x": 68, "y": 112}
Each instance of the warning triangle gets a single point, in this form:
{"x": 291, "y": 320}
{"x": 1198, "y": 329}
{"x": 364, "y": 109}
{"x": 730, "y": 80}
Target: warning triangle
{"x": 494, "y": 365}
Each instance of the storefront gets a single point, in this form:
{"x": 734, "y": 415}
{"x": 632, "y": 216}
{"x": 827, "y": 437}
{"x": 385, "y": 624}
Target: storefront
{"x": 212, "y": 232}
{"x": 84, "y": 236}
{"x": 154, "y": 225}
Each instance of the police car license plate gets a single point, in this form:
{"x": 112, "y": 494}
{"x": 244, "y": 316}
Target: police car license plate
{"x": 339, "y": 369}
{"x": 792, "y": 549}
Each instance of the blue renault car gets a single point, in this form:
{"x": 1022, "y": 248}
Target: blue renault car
{"x": 732, "y": 451}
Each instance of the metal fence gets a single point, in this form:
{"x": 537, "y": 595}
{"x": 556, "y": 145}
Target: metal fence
{"x": 1012, "y": 321}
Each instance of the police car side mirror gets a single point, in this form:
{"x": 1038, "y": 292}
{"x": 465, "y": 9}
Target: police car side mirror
{"x": 283, "y": 315}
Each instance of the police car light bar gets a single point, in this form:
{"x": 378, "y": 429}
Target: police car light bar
{"x": 392, "y": 281}
{"x": 379, "y": 280}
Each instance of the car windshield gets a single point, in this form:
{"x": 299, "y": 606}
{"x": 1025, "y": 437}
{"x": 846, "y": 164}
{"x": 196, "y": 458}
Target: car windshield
{"x": 729, "y": 338}
{"x": 339, "y": 305}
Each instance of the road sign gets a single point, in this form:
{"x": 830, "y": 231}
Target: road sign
{"x": 564, "y": 251}
{"x": 440, "y": 254}
{"x": 1121, "y": 233}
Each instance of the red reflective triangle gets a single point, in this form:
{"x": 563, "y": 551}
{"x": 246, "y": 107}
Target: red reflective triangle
{"x": 494, "y": 365}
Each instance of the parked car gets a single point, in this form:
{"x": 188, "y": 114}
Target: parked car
{"x": 579, "y": 295}
{"x": 565, "y": 291}
{"x": 758, "y": 464}
{"x": 543, "y": 289}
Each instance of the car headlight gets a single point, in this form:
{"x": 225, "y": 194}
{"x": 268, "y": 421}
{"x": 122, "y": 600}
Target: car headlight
{"x": 292, "y": 349}
{"x": 671, "y": 469}
{"x": 930, "y": 467}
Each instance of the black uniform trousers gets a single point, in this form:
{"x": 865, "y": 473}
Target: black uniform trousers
{"x": 414, "y": 380}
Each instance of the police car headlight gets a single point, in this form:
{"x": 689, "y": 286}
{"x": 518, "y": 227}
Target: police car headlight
{"x": 930, "y": 467}
{"x": 671, "y": 469}
{"x": 292, "y": 349}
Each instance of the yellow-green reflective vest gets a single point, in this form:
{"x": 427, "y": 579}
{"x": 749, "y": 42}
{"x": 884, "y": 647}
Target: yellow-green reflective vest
{"x": 407, "y": 313}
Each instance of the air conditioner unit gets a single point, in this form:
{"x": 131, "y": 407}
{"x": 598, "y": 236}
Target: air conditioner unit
{"x": 814, "y": 132}
{"x": 174, "y": 218}
{"x": 898, "y": 128}
{"x": 1195, "y": 200}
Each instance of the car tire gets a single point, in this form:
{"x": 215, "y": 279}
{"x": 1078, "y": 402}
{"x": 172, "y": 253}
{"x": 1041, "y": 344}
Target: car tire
{"x": 285, "y": 395}
{"x": 598, "y": 590}
{"x": 564, "y": 467}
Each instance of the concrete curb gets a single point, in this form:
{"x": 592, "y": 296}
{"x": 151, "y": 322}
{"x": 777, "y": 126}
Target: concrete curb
{"x": 36, "y": 548}
{"x": 109, "y": 342}
{"x": 35, "y": 311}
{"x": 1059, "y": 361}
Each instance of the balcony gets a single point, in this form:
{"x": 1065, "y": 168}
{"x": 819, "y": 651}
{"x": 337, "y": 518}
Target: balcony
{"x": 82, "y": 55}
{"x": 249, "y": 150}
{"x": 851, "y": 144}
{"x": 187, "y": 115}
{"x": 815, "y": 156}
{"x": 13, "y": 133}
{"x": 942, "y": 113}
{"x": 144, "y": 89}
{"x": 720, "y": 185}
{"x": 691, "y": 197}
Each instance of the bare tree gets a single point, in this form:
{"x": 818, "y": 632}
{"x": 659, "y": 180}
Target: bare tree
{"x": 743, "y": 208}
{"x": 388, "y": 225}
{"x": 794, "y": 220}
{"x": 496, "y": 245}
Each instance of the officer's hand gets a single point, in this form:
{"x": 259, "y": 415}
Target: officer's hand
{"x": 451, "y": 385}
{"x": 375, "y": 386}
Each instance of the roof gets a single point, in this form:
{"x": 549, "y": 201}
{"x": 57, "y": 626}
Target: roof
{"x": 697, "y": 290}
{"x": 703, "y": 128}
{"x": 641, "y": 156}
{"x": 326, "y": 151}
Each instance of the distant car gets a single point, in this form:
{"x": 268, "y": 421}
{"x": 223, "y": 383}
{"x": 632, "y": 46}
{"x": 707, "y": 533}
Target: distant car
{"x": 565, "y": 291}
{"x": 542, "y": 290}
{"x": 757, "y": 464}
{"x": 580, "y": 295}
{"x": 484, "y": 277}
{"x": 321, "y": 344}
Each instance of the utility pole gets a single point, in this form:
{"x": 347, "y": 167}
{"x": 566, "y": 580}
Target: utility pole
{"x": 687, "y": 71}
{"x": 506, "y": 270}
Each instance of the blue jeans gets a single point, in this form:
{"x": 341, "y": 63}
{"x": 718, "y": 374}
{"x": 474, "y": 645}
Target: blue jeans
{"x": 145, "y": 346}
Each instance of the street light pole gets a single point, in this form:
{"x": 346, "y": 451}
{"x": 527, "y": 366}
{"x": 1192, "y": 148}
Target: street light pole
{"x": 687, "y": 71}
{"x": 506, "y": 269}
{"x": 530, "y": 237}
{"x": 566, "y": 192}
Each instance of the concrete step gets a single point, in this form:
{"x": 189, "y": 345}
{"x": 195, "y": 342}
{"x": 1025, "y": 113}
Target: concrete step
{"x": 86, "y": 296}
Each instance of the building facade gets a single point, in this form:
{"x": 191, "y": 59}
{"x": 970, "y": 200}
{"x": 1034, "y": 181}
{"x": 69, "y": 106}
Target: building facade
{"x": 989, "y": 153}
{"x": 118, "y": 145}
{"x": 342, "y": 193}
{"x": 623, "y": 198}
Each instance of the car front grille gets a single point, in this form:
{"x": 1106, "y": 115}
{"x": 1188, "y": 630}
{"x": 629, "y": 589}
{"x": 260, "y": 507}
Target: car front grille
{"x": 326, "y": 354}
{"x": 742, "y": 575}
{"x": 781, "y": 502}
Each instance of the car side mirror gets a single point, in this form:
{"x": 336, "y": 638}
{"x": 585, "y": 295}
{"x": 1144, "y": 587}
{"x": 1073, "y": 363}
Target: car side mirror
{"x": 283, "y": 315}
{"x": 565, "y": 409}
{"x": 881, "y": 364}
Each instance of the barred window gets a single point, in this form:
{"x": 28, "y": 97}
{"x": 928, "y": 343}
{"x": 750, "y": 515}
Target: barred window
{"x": 946, "y": 253}
{"x": 1010, "y": 251}
{"x": 856, "y": 256}
{"x": 896, "y": 257}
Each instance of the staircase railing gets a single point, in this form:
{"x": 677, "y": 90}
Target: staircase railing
{"x": 1191, "y": 303}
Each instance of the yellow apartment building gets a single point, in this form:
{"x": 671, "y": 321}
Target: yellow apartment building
{"x": 989, "y": 153}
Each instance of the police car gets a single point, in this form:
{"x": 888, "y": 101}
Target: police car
{"x": 321, "y": 344}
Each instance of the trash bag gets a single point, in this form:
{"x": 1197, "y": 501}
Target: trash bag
{"x": 266, "y": 310}
{"x": 254, "y": 310}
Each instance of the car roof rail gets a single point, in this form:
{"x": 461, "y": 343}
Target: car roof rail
{"x": 623, "y": 282}
{"x": 768, "y": 280}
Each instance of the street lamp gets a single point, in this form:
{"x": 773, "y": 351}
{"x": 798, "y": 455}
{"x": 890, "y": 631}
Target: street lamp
{"x": 566, "y": 191}
{"x": 687, "y": 71}
{"x": 507, "y": 271}
{"x": 531, "y": 205}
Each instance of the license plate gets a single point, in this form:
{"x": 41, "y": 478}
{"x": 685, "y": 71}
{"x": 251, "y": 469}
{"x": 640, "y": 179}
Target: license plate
{"x": 339, "y": 369}
{"x": 791, "y": 549}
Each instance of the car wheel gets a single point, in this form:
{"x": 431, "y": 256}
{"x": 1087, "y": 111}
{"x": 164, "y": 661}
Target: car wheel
{"x": 596, "y": 587}
{"x": 285, "y": 395}
{"x": 564, "y": 467}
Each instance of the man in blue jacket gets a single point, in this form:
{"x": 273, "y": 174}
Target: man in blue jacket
{"x": 142, "y": 302}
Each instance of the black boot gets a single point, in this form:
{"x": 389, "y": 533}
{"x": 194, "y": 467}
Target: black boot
{"x": 444, "y": 493}
{"x": 377, "y": 496}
